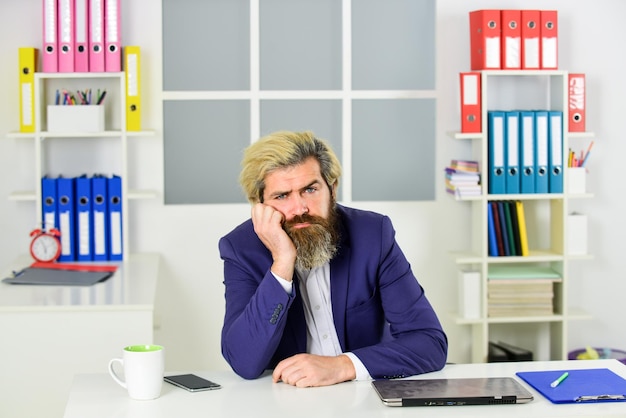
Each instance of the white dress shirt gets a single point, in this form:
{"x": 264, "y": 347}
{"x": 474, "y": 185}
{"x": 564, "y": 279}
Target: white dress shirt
{"x": 321, "y": 332}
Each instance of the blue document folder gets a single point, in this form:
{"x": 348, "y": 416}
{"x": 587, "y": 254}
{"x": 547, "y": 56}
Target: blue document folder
{"x": 555, "y": 152}
{"x": 100, "y": 200}
{"x": 491, "y": 231}
{"x": 580, "y": 386}
{"x": 49, "y": 202}
{"x": 497, "y": 152}
{"x": 511, "y": 132}
{"x": 527, "y": 151}
{"x": 84, "y": 219}
{"x": 115, "y": 217}
{"x": 541, "y": 151}
{"x": 67, "y": 217}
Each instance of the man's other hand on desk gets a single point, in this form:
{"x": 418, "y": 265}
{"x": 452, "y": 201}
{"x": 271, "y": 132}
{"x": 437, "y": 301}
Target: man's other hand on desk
{"x": 306, "y": 370}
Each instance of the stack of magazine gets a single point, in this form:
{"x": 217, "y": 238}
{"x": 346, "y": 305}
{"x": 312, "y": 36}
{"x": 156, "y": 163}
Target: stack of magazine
{"x": 463, "y": 178}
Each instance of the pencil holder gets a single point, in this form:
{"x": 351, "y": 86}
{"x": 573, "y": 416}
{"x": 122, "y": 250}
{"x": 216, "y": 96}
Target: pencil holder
{"x": 77, "y": 118}
{"x": 577, "y": 180}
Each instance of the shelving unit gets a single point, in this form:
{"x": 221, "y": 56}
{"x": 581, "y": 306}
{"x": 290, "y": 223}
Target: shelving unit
{"x": 546, "y": 216}
{"x": 55, "y": 152}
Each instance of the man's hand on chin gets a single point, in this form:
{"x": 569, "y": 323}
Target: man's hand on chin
{"x": 306, "y": 370}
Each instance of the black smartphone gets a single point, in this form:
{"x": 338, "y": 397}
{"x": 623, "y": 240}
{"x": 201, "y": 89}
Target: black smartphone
{"x": 191, "y": 382}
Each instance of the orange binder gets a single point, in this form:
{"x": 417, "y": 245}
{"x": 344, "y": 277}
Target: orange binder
{"x": 470, "y": 103}
{"x": 511, "y": 39}
{"x": 531, "y": 34}
{"x": 549, "y": 40}
{"x": 576, "y": 98}
{"x": 485, "y": 39}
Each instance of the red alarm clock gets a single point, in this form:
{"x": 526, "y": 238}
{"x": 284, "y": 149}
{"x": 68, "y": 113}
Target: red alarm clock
{"x": 45, "y": 246}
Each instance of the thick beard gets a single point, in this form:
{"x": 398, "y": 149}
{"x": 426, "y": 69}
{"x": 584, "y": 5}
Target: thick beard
{"x": 316, "y": 244}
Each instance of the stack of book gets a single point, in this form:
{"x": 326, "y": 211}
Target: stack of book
{"x": 520, "y": 290}
{"x": 463, "y": 178}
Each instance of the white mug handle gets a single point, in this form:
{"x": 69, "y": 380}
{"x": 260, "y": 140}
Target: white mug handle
{"x": 113, "y": 374}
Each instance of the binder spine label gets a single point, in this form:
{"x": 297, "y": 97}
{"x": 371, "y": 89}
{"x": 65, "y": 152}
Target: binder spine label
{"x": 27, "y": 104}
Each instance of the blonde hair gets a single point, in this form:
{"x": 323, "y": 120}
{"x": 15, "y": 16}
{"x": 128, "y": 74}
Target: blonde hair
{"x": 285, "y": 149}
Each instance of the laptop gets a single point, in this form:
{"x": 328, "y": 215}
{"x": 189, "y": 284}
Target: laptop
{"x": 450, "y": 392}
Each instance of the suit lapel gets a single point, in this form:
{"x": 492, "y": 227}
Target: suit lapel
{"x": 339, "y": 280}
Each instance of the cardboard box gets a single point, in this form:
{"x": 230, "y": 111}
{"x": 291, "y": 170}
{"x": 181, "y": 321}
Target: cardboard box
{"x": 77, "y": 118}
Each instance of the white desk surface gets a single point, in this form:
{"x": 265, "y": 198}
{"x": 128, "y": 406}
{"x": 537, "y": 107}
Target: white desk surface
{"x": 133, "y": 286}
{"x": 97, "y": 396}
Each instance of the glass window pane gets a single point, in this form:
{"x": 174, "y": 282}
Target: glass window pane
{"x": 206, "y": 45}
{"x": 203, "y": 148}
{"x": 393, "y": 44}
{"x": 300, "y": 45}
{"x": 322, "y": 117}
{"x": 393, "y": 150}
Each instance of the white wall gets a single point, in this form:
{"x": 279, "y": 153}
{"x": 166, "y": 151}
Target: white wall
{"x": 190, "y": 296}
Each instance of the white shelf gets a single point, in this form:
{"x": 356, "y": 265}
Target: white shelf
{"x": 574, "y": 135}
{"x": 574, "y": 314}
{"x": 534, "y": 257}
{"x": 546, "y": 225}
{"x": 79, "y": 76}
{"x": 115, "y": 138}
{"x": 131, "y": 195}
{"x": 20, "y": 135}
{"x": 142, "y": 194}
{"x": 529, "y": 73}
{"x": 24, "y": 195}
{"x": 479, "y": 135}
{"x": 104, "y": 134}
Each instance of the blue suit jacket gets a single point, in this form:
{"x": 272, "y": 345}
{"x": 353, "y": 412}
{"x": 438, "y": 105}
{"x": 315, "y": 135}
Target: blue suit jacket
{"x": 380, "y": 311}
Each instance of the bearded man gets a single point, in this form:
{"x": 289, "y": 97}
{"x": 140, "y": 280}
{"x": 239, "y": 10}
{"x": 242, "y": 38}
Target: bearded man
{"x": 319, "y": 292}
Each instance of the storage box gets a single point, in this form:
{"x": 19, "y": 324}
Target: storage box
{"x": 577, "y": 234}
{"x": 77, "y": 118}
{"x": 469, "y": 294}
{"x": 577, "y": 180}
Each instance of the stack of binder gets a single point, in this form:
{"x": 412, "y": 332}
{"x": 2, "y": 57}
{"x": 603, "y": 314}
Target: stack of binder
{"x": 514, "y": 39}
{"x": 525, "y": 151}
{"x": 82, "y": 36}
{"x": 132, "y": 83}
{"x": 506, "y": 228}
{"x": 88, "y": 213}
